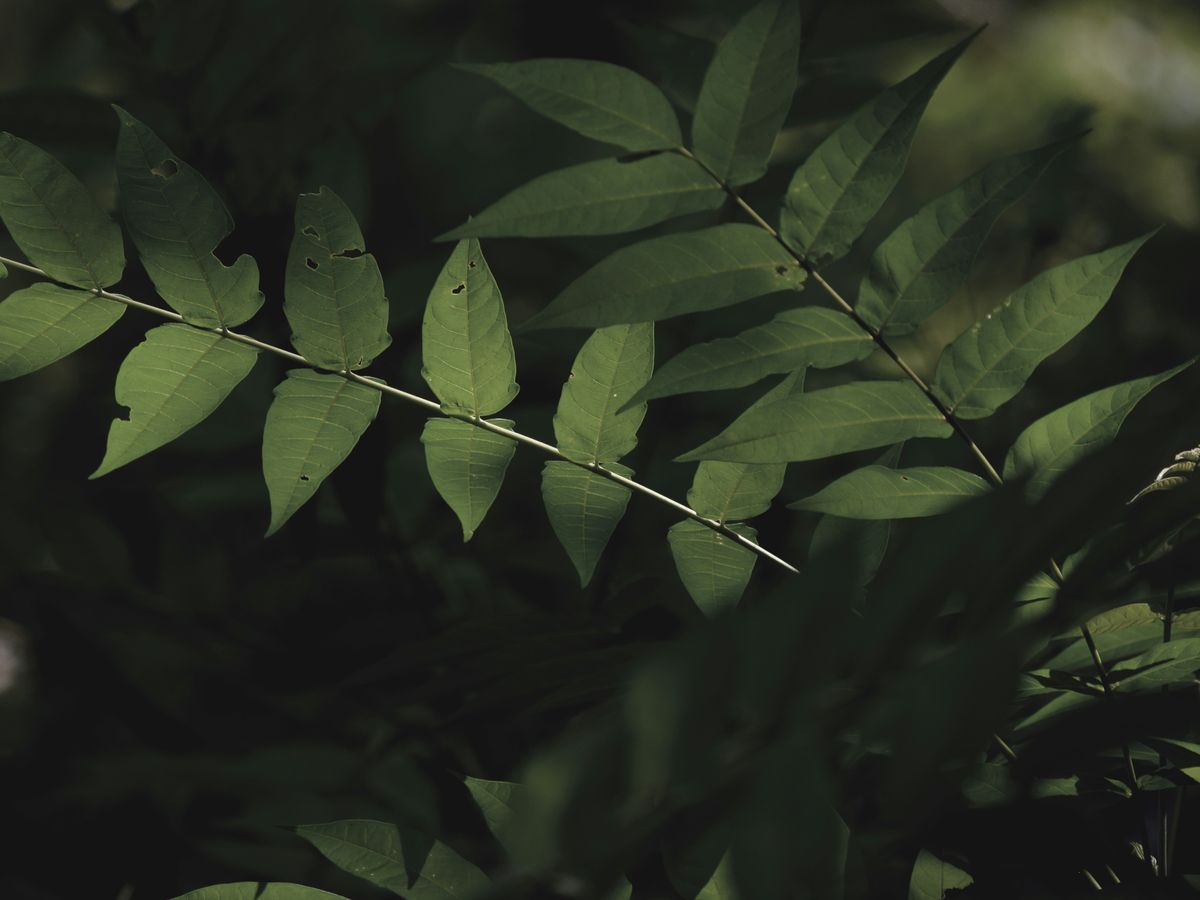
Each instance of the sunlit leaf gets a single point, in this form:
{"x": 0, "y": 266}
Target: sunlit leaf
{"x": 584, "y": 510}
{"x": 932, "y": 877}
{"x": 722, "y": 885}
{"x": 43, "y": 323}
{"x": 877, "y": 492}
{"x": 257, "y": 890}
{"x": 495, "y": 800}
{"x": 171, "y": 382}
{"x": 467, "y": 464}
{"x": 714, "y": 569}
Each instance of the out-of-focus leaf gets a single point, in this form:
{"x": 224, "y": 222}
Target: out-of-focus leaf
{"x": 932, "y": 877}
{"x": 257, "y": 890}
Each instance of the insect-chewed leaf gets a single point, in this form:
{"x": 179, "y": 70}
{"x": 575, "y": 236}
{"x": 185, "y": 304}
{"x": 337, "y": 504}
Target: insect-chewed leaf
{"x": 1057, "y": 441}
{"x": 673, "y": 275}
{"x": 855, "y": 416}
{"x": 879, "y": 492}
{"x": 927, "y": 258}
{"x": 584, "y": 510}
{"x": 495, "y": 800}
{"x": 713, "y": 569}
{"x": 43, "y": 323}
{"x": 932, "y": 877}
{"x": 333, "y": 292}
{"x": 747, "y": 91}
{"x": 257, "y": 890}
{"x": 54, "y": 220}
{"x": 607, "y": 196}
{"x": 465, "y": 343}
{"x": 809, "y": 336}
{"x": 599, "y": 100}
{"x": 842, "y": 184}
{"x": 613, "y": 365}
{"x": 170, "y": 382}
{"x": 467, "y": 465}
{"x": 176, "y": 221}
{"x": 730, "y": 491}
{"x": 312, "y": 425}
{"x": 376, "y": 851}
{"x": 989, "y": 363}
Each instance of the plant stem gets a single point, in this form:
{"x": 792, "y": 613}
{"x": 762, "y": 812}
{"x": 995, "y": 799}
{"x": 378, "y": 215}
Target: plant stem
{"x": 434, "y": 407}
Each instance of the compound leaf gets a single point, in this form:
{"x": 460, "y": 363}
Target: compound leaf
{"x": 54, "y": 220}
{"x": 467, "y": 464}
{"x": 176, "y": 220}
{"x": 714, "y": 569}
{"x": 45, "y": 322}
{"x": 171, "y": 382}
{"x": 855, "y": 416}
{"x": 842, "y": 184}
{"x": 313, "y": 423}
{"x": 466, "y": 346}
{"x": 256, "y": 890}
{"x": 599, "y": 100}
{"x": 333, "y": 292}
{"x": 673, "y": 275}
{"x": 928, "y": 257}
{"x": 989, "y": 363}
{"x": 747, "y": 92}
{"x": 584, "y": 509}
{"x": 880, "y": 492}
{"x": 606, "y": 196}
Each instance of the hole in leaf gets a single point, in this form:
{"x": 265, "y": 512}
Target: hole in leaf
{"x": 311, "y": 263}
{"x": 471, "y": 264}
{"x": 350, "y": 253}
{"x": 310, "y": 231}
{"x": 165, "y": 169}
{"x": 458, "y": 290}
{"x": 781, "y": 270}
{"x": 904, "y": 478}
{"x": 304, "y": 478}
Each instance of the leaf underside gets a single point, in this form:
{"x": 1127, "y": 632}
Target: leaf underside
{"x": 43, "y": 323}
{"x": 714, "y": 569}
{"x": 467, "y": 464}
{"x": 584, "y": 509}
{"x": 880, "y": 492}
{"x": 257, "y": 890}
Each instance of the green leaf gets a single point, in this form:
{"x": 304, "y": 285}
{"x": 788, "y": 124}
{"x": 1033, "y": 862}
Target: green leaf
{"x": 599, "y": 100}
{"x": 989, "y": 363}
{"x": 467, "y": 464}
{"x": 256, "y": 890}
{"x": 613, "y": 365}
{"x": 855, "y": 416}
{"x": 932, "y": 877}
{"x": 606, "y": 196}
{"x": 375, "y": 851}
{"x": 722, "y": 885}
{"x": 312, "y": 425}
{"x": 809, "y": 336}
{"x": 171, "y": 382}
{"x": 842, "y": 184}
{"x": 43, "y": 323}
{"x": 495, "y": 800}
{"x": 928, "y": 257}
{"x": 54, "y": 220}
{"x": 747, "y": 92}
{"x": 713, "y": 569}
{"x": 176, "y": 220}
{"x": 1057, "y": 441}
{"x": 333, "y": 292}
{"x": 466, "y": 346}
{"x": 3, "y": 271}
{"x": 674, "y": 275}
{"x": 728, "y": 491}
{"x": 878, "y": 492}
{"x": 584, "y": 510}
{"x": 1163, "y": 666}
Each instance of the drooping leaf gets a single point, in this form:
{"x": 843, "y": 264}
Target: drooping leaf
{"x": 599, "y": 100}
{"x": 45, "y": 322}
{"x": 932, "y": 877}
{"x": 176, "y": 221}
{"x": 333, "y": 292}
{"x": 375, "y": 851}
{"x": 584, "y": 510}
{"x": 809, "y": 336}
{"x": 467, "y": 465}
{"x": 257, "y": 890}
{"x": 54, "y": 220}
{"x": 845, "y": 181}
{"x": 171, "y": 382}
{"x": 747, "y": 91}
{"x": 312, "y": 425}
{"x": 495, "y": 800}
{"x": 673, "y": 275}
{"x": 607, "y": 196}
{"x": 465, "y": 343}
{"x": 855, "y": 416}
{"x": 928, "y": 257}
{"x": 713, "y": 569}
{"x": 878, "y": 492}
{"x": 613, "y": 365}
{"x": 989, "y": 363}
{"x": 1055, "y": 442}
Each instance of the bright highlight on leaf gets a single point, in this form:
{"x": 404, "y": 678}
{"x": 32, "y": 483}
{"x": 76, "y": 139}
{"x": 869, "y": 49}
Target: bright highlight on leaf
{"x": 171, "y": 382}
{"x": 176, "y": 220}
{"x": 43, "y": 323}
{"x": 880, "y": 492}
{"x": 584, "y": 510}
{"x": 467, "y": 466}
{"x": 932, "y": 877}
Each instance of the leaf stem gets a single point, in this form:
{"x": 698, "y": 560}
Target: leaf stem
{"x": 435, "y": 407}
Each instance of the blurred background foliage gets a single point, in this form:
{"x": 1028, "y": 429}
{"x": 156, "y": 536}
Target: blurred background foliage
{"x": 173, "y": 688}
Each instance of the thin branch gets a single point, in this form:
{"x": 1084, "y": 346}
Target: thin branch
{"x": 434, "y": 407}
